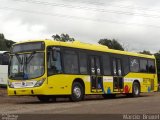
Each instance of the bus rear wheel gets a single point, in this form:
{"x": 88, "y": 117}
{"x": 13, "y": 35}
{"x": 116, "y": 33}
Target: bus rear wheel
{"x": 135, "y": 90}
{"x": 77, "y": 92}
{"x": 46, "y": 98}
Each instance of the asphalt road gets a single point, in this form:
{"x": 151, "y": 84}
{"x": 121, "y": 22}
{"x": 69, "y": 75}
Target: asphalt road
{"x": 147, "y": 103}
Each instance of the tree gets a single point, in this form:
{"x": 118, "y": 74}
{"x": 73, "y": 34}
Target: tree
{"x": 63, "y": 37}
{"x": 5, "y": 44}
{"x": 146, "y": 52}
{"x": 112, "y": 44}
{"x": 2, "y": 36}
{"x": 157, "y": 56}
{"x": 9, "y": 43}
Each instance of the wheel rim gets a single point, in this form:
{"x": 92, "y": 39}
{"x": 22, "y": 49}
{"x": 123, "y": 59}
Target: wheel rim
{"x": 77, "y": 92}
{"x": 136, "y": 90}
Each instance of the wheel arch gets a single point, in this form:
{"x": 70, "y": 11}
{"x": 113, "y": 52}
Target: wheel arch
{"x": 80, "y": 80}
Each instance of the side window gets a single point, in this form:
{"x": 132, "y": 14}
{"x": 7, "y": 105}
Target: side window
{"x": 92, "y": 63}
{"x": 83, "y": 63}
{"x": 151, "y": 66}
{"x": 125, "y": 64}
{"x": 143, "y": 65}
{"x": 70, "y": 61}
{"x": 98, "y": 66}
{"x": 119, "y": 67}
{"x": 134, "y": 64}
{"x": 114, "y": 67}
{"x": 54, "y": 61}
{"x": 106, "y": 65}
{"x": 5, "y": 59}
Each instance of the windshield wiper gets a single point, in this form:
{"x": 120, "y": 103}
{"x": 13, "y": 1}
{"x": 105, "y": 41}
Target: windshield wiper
{"x": 26, "y": 61}
{"x": 19, "y": 59}
{"x": 30, "y": 57}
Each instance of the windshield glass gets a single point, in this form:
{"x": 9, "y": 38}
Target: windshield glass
{"x": 26, "y": 66}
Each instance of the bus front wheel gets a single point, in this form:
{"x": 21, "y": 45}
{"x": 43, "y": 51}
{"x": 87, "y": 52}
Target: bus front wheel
{"x": 77, "y": 92}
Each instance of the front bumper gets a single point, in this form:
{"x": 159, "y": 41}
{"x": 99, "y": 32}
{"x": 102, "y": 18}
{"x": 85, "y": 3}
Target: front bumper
{"x": 26, "y": 91}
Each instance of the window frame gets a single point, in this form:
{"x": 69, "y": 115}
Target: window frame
{"x": 134, "y": 57}
{"x": 153, "y": 60}
{"x": 75, "y": 53}
{"x": 60, "y": 60}
{"x": 147, "y": 71}
{"x": 101, "y": 54}
{"x": 80, "y": 53}
{"x": 107, "y": 55}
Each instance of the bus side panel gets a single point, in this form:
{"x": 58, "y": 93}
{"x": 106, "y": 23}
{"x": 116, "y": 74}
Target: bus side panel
{"x": 155, "y": 82}
{"x": 62, "y": 84}
{"x": 127, "y": 85}
{"x": 107, "y": 85}
{"x": 148, "y": 82}
{"x": 59, "y": 84}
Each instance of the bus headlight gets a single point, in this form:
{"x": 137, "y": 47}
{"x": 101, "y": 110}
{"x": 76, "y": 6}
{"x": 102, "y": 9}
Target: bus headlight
{"x": 10, "y": 85}
{"x": 39, "y": 83}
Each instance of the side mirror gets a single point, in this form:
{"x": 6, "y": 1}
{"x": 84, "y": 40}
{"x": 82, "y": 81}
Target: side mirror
{"x": 54, "y": 55}
{"x": 53, "y": 51}
{"x": 6, "y": 53}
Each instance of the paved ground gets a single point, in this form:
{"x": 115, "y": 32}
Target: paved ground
{"x": 146, "y": 103}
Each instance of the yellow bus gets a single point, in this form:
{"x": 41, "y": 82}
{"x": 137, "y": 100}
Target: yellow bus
{"x": 49, "y": 69}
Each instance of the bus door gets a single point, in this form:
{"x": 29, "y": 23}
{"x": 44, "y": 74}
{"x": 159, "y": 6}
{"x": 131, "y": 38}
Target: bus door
{"x": 117, "y": 75}
{"x": 96, "y": 74}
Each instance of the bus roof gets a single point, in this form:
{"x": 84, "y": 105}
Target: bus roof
{"x": 88, "y": 46}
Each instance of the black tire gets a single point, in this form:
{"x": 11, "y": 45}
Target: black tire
{"x": 107, "y": 96}
{"x": 77, "y": 92}
{"x": 46, "y": 98}
{"x": 136, "y": 89}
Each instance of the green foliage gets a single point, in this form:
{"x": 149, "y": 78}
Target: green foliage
{"x": 5, "y": 44}
{"x": 157, "y": 56}
{"x": 1, "y": 36}
{"x": 146, "y": 52}
{"x": 63, "y": 37}
{"x": 112, "y": 44}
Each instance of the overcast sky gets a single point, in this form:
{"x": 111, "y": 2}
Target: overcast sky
{"x": 134, "y": 23}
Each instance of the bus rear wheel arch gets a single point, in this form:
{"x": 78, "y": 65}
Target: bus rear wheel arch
{"x": 77, "y": 93}
{"x": 135, "y": 89}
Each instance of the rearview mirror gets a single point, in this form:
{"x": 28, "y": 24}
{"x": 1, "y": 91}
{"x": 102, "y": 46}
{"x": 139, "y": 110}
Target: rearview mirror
{"x": 54, "y": 55}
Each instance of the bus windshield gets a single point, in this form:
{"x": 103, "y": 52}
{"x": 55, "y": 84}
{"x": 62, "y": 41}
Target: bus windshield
{"x": 26, "y": 66}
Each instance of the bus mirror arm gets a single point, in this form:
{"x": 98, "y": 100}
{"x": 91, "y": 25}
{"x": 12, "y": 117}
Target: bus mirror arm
{"x": 53, "y": 56}
{"x": 6, "y": 53}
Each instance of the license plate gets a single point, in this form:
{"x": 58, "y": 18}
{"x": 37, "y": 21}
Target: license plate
{"x": 23, "y": 90}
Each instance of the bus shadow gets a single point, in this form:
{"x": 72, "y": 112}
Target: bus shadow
{"x": 87, "y": 98}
